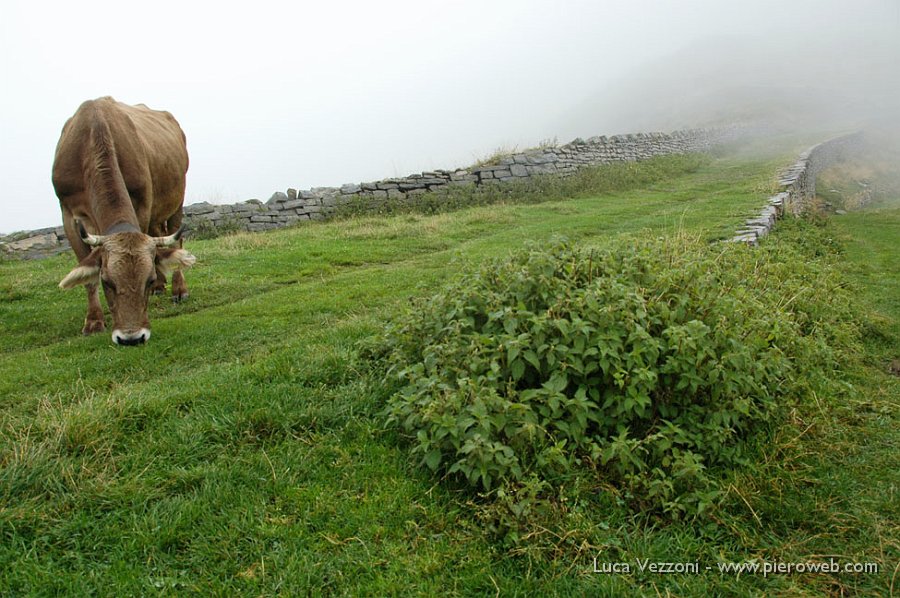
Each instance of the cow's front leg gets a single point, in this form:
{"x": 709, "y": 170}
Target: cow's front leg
{"x": 93, "y": 322}
{"x": 179, "y": 287}
{"x": 159, "y": 287}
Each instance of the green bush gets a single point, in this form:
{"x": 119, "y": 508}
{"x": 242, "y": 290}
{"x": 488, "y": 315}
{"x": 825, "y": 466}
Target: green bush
{"x": 654, "y": 365}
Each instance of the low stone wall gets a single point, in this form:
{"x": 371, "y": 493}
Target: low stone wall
{"x": 798, "y": 185}
{"x": 32, "y": 244}
{"x": 292, "y": 206}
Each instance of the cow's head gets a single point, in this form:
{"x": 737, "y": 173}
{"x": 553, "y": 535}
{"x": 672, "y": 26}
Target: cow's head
{"x": 126, "y": 264}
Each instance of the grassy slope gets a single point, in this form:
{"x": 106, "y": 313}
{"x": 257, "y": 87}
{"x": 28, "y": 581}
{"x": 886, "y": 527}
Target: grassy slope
{"x": 239, "y": 451}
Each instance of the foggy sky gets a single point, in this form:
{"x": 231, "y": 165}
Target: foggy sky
{"x": 274, "y": 95}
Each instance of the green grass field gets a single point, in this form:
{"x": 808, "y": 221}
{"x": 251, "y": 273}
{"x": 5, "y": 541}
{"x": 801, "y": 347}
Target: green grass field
{"x": 242, "y": 452}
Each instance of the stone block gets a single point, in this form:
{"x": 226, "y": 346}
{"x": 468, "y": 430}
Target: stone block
{"x": 542, "y": 158}
{"x": 204, "y": 207}
{"x": 277, "y": 197}
{"x": 37, "y": 242}
{"x": 293, "y": 204}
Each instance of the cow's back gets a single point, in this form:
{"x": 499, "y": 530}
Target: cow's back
{"x": 150, "y": 151}
{"x": 165, "y": 153}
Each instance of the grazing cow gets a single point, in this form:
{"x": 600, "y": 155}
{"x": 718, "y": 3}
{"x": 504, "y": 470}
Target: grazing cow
{"x": 119, "y": 174}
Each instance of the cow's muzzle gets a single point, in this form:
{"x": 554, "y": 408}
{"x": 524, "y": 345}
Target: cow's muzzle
{"x": 131, "y": 338}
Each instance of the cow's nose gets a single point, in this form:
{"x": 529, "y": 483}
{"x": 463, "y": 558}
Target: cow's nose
{"x": 136, "y": 337}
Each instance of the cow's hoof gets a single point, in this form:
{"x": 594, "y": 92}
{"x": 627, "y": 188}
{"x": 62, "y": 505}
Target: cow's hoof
{"x": 178, "y": 298}
{"x": 158, "y": 290}
{"x": 93, "y": 327}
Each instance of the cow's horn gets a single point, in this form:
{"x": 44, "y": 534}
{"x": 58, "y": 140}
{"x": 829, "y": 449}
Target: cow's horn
{"x": 89, "y": 239}
{"x": 171, "y": 239}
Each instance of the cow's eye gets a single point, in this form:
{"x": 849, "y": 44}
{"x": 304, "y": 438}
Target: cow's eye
{"x": 108, "y": 284}
{"x": 150, "y": 282}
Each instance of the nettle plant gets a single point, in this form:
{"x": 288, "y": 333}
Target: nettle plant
{"x": 653, "y": 364}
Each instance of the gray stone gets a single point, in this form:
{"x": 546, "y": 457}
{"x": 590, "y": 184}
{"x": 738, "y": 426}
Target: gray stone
{"x": 518, "y": 170}
{"x": 539, "y": 169}
{"x": 37, "y": 242}
{"x": 277, "y": 197}
{"x": 203, "y": 207}
{"x": 350, "y": 189}
{"x": 292, "y": 194}
{"x": 748, "y": 239}
{"x": 325, "y": 191}
{"x": 545, "y": 158}
{"x": 759, "y": 222}
{"x": 293, "y": 204}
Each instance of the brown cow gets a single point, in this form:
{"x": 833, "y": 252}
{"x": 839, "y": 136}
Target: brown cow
{"x": 119, "y": 173}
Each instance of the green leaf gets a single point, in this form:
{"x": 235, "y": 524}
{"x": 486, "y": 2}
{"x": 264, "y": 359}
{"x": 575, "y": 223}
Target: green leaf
{"x": 517, "y": 369}
{"x": 433, "y": 459}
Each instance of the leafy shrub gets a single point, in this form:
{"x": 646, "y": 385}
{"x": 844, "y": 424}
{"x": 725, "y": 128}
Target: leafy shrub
{"x": 658, "y": 365}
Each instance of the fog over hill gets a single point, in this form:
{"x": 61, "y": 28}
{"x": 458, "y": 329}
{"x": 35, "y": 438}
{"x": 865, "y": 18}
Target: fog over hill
{"x": 279, "y": 95}
{"x": 826, "y": 82}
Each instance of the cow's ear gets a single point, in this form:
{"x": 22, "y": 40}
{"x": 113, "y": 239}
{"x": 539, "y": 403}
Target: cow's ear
{"x": 86, "y": 272}
{"x": 169, "y": 259}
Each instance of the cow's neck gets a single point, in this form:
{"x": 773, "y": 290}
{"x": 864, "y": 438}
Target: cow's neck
{"x": 108, "y": 193}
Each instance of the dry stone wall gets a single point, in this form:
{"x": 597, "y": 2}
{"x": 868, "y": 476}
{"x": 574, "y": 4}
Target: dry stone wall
{"x": 293, "y": 206}
{"x": 798, "y": 185}
{"x": 285, "y": 208}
